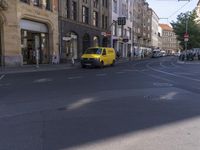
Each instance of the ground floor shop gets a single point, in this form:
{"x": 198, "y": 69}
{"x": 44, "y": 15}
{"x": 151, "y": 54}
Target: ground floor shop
{"x": 76, "y": 38}
{"x": 28, "y": 40}
{"x": 34, "y": 42}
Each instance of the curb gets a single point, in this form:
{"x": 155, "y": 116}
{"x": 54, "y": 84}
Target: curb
{"x": 188, "y": 63}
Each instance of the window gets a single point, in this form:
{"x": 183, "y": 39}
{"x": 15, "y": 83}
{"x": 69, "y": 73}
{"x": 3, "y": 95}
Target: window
{"x": 103, "y": 21}
{"x": 95, "y": 3}
{"x": 68, "y": 8}
{"x": 85, "y": 1}
{"x": 115, "y": 28}
{"x": 85, "y": 15}
{"x": 25, "y": 1}
{"x": 74, "y": 10}
{"x": 115, "y": 6}
{"x": 36, "y": 2}
{"x": 48, "y": 4}
{"x": 95, "y": 18}
{"x": 106, "y": 22}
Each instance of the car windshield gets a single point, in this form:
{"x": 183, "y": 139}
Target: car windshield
{"x": 93, "y": 51}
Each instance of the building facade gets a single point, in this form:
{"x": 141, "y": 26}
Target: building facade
{"x": 82, "y": 24}
{"x": 29, "y": 32}
{"x": 142, "y": 23}
{"x": 197, "y": 9}
{"x": 154, "y": 31}
{"x": 122, "y": 39}
{"x": 169, "y": 40}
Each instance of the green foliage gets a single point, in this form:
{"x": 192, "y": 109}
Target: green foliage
{"x": 193, "y": 29}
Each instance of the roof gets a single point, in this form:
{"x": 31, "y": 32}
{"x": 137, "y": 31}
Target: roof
{"x": 165, "y": 27}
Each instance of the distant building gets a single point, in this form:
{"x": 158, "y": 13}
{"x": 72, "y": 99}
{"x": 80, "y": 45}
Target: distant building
{"x": 29, "y": 31}
{"x": 169, "y": 40}
{"x": 155, "y": 30}
{"x": 197, "y": 9}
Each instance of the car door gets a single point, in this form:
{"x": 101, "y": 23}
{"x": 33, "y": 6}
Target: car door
{"x": 104, "y": 56}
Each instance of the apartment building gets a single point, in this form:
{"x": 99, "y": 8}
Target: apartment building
{"x": 197, "y": 9}
{"x": 155, "y": 30}
{"x": 82, "y": 24}
{"x": 169, "y": 40}
{"x": 122, "y": 39}
{"x": 142, "y": 30}
{"x": 29, "y": 32}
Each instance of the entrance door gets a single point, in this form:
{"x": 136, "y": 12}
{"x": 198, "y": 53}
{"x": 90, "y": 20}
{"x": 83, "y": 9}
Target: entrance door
{"x": 37, "y": 48}
{"x": 1, "y": 54}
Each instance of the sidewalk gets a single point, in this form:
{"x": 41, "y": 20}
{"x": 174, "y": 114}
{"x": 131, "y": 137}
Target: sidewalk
{"x": 194, "y": 62}
{"x": 33, "y": 68}
{"x": 45, "y": 67}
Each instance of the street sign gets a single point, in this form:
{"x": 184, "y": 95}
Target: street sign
{"x": 186, "y": 39}
{"x": 67, "y": 38}
{"x": 186, "y": 35}
{"x": 106, "y": 33}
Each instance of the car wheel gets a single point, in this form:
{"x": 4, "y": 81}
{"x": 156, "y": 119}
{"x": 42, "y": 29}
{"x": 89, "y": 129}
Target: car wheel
{"x": 102, "y": 64}
{"x": 113, "y": 63}
{"x": 83, "y": 66}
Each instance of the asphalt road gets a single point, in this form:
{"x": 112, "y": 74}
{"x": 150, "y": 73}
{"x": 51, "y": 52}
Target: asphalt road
{"x": 141, "y": 105}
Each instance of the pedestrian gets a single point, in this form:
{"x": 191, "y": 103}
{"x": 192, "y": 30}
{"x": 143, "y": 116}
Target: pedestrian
{"x": 118, "y": 55}
{"x": 129, "y": 55}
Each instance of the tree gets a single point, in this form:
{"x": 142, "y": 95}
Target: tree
{"x": 193, "y": 29}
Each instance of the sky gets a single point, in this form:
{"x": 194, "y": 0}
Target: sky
{"x": 171, "y": 8}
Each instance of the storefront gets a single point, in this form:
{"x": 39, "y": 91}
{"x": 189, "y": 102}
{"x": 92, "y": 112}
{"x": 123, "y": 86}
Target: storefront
{"x": 34, "y": 42}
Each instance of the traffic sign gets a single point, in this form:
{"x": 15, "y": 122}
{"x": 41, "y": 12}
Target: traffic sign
{"x": 186, "y": 35}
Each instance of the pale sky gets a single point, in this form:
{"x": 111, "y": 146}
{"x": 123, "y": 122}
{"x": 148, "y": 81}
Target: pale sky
{"x": 171, "y": 8}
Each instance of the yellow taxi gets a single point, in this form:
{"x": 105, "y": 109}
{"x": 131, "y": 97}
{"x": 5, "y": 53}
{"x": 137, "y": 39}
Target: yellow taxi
{"x": 98, "y": 56}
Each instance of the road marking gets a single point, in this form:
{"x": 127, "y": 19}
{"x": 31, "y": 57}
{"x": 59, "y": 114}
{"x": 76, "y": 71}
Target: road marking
{"x": 101, "y": 75}
{"x": 172, "y": 74}
{"x": 43, "y": 80}
{"x": 163, "y": 65}
{"x": 2, "y": 76}
{"x": 72, "y": 78}
{"x": 120, "y": 72}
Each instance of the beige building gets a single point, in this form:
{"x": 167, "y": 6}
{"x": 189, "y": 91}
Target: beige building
{"x": 169, "y": 40}
{"x": 29, "y": 32}
{"x": 197, "y": 9}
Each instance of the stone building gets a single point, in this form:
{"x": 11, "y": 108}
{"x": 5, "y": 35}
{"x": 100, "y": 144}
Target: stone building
{"x": 169, "y": 39}
{"x": 29, "y": 32}
{"x": 155, "y": 30}
{"x": 142, "y": 29}
{"x": 82, "y": 24}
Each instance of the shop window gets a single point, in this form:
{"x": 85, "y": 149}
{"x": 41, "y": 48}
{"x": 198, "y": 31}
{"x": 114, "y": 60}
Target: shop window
{"x": 36, "y": 3}
{"x": 25, "y": 1}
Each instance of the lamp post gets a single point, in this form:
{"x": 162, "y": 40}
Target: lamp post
{"x": 186, "y": 36}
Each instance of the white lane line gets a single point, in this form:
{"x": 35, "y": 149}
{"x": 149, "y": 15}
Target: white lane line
{"x": 120, "y": 72}
{"x": 2, "y": 76}
{"x": 161, "y": 64}
{"x": 101, "y": 75}
{"x": 174, "y": 65}
{"x": 161, "y": 78}
{"x": 172, "y": 74}
{"x": 72, "y": 78}
{"x": 43, "y": 80}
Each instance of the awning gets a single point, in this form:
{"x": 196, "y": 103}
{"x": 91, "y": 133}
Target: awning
{"x": 33, "y": 26}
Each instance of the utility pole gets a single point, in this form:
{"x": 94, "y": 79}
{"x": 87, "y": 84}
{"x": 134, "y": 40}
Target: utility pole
{"x": 186, "y": 31}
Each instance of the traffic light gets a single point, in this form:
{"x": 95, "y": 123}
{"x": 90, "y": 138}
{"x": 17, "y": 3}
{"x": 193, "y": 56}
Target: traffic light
{"x": 121, "y": 20}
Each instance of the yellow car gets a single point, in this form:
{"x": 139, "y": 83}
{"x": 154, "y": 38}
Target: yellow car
{"x": 98, "y": 56}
